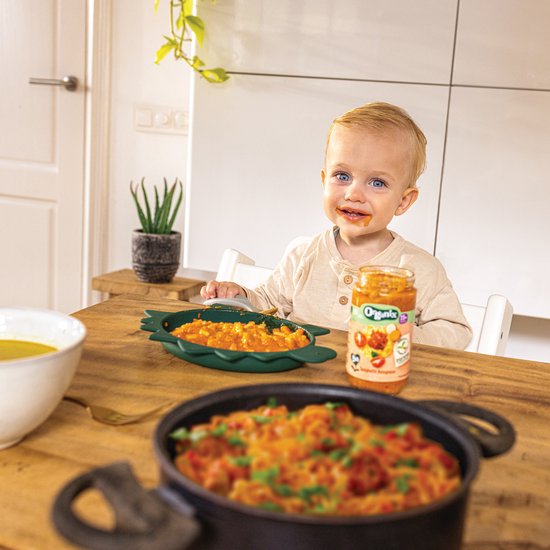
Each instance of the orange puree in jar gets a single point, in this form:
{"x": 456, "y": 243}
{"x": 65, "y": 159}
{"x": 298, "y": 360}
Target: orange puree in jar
{"x": 380, "y": 329}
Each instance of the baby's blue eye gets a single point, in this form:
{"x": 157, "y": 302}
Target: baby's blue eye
{"x": 342, "y": 176}
{"x": 377, "y": 183}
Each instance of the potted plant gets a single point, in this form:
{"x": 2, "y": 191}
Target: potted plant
{"x": 156, "y": 247}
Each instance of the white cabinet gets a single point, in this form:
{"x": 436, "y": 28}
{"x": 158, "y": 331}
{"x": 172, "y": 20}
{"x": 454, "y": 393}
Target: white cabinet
{"x": 495, "y": 213}
{"x": 257, "y": 141}
{"x": 503, "y": 43}
{"x": 386, "y": 40}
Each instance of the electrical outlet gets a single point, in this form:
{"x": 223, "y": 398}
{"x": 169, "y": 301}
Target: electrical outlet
{"x": 160, "y": 119}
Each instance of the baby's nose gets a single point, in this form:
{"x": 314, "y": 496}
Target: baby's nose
{"x": 354, "y": 192}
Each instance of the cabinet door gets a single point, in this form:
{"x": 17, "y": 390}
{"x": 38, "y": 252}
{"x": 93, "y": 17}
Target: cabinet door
{"x": 390, "y": 40}
{"x": 503, "y": 43}
{"x": 494, "y": 217}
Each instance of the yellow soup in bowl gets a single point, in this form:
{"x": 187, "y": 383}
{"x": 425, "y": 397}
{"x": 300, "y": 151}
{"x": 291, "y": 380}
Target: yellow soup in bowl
{"x": 18, "y": 349}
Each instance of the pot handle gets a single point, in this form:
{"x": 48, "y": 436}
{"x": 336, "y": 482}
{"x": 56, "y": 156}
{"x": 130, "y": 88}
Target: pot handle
{"x": 492, "y": 443}
{"x": 143, "y": 519}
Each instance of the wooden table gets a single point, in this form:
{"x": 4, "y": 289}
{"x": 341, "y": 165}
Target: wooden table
{"x": 121, "y": 367}
{"x": 125, "y": 281}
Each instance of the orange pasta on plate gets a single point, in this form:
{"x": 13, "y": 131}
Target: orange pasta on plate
{"x": 321, "y": 460}
{"x": 238, "y": 336}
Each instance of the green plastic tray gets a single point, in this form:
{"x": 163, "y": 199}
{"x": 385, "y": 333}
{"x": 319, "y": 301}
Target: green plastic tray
{"x": 161, "y": 323}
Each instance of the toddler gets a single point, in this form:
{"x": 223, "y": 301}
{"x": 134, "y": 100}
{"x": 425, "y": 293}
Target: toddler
{"x": 374, "y": 156}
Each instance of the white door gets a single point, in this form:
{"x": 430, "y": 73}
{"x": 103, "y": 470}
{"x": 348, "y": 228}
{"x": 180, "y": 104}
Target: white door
{"x": 42, "y": 153}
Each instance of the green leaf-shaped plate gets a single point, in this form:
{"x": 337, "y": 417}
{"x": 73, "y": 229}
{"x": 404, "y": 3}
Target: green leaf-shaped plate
{"x": 161, "y": 323}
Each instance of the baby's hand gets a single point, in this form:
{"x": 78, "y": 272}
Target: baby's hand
{"x": 221, "y": 289}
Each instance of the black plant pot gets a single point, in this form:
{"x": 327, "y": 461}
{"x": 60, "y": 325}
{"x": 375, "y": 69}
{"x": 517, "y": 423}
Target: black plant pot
{"x": 155, "y": 258}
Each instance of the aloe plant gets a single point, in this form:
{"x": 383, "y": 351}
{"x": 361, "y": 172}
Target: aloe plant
{"x": 160, "y": 218}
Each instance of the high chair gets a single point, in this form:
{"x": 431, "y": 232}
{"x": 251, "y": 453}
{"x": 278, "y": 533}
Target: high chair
{"x": 239, "y": 268}
{"x": 490, "y": 325}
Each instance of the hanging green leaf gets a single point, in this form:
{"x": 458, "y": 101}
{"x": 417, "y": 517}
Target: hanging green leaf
{"x": 187, "y": 7}
{"x": 215, "y": 75}
{"x": 196, "y": 62}
{"x": 196, "y": 24}
{"x": 163, "y": 51}
{"x": 184, "y": 24}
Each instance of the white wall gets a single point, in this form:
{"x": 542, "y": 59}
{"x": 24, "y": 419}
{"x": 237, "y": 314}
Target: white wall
{"x": 137, "y": 81}
{"x": 529, "y": 339}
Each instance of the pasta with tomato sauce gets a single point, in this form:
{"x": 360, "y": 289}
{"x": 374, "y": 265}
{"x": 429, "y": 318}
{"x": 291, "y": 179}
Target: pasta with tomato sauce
{"x": 321, "y": 460}
{"x": 241, "y": 336}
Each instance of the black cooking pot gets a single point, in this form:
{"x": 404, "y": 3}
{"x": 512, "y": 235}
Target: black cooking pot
{"x": 181, "y": 514}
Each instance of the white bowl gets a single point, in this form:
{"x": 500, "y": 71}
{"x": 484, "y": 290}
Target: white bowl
{"x": 32, "y": 387}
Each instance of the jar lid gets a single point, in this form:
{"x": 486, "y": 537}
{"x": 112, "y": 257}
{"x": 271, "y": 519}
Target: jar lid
{"x": 388, "y": 269}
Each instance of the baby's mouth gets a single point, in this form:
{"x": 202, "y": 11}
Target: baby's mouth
{"x": 354, "y": 215}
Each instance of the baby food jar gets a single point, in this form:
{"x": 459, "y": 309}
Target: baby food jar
{"x": 380, "y": 329}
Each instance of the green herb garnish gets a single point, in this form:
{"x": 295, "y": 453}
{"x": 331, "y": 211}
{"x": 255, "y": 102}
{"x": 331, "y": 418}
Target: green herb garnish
{"x": 267, "y": 476}
{"x": 316, "y": 452}
{"x": 272, "y": 402}
{"x": 241, "y": 460}
{"x": 402, "y": 483}
{"x": 219, "y": 430}
{"x": 346, "y": 428}
{"x": 337, "y": 454}
{"x": 411, "y": 462}
{"x": 305, "y": 493}
{"x": 347, "y": 461}
{"x": 235, "y": 441}
{"x": 271, "y": 506}
{"x": 284, "y": 490}
{"x": 399, "y": 429}
{"x": 261, "y": 419}
{"x": 180, "y": 434}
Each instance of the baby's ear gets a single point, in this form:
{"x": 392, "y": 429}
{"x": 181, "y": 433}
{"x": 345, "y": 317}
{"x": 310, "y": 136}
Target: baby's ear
{"x": 323, "y": 175}
{"x": 407, "y": 200}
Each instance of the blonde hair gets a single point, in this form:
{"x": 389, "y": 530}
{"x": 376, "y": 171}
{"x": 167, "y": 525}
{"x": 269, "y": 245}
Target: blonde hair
{"x": 381, "y": 117}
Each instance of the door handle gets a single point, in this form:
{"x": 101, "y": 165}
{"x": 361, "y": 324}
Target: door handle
{"x": 69, "y": 82}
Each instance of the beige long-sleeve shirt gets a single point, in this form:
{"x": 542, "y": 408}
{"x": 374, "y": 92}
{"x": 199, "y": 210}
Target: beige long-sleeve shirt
{"x": 313, "y": 284}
